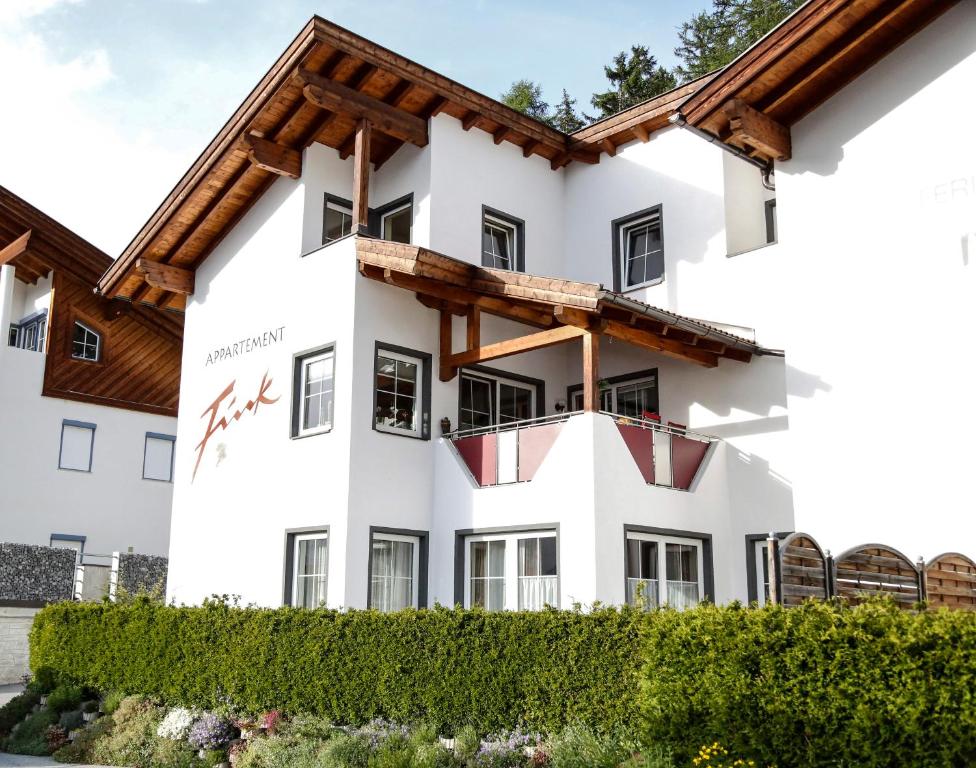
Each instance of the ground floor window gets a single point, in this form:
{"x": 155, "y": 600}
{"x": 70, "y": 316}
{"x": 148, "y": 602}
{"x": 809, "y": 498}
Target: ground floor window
{"x": 488, "y": 399}
{"x": 664, "y": 570}
{"x": 513, "y": 571}
{"x": 634, "y": 395}
{"x": 394, "y": 571}
{"x": 310, "y": 569}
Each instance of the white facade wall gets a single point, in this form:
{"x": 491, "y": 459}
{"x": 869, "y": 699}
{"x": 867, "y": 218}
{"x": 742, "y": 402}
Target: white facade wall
{"x": 15, "y": 624}
{"x": 112, "y": 506}
{"x": 877, "y": 239}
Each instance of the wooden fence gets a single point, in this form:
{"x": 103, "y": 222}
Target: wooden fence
{"x": 799, "y": 570}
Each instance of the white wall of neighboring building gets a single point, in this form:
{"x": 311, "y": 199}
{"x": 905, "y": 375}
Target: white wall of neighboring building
{"x": 878, "y": 236}
{"x": 113, "y": 507}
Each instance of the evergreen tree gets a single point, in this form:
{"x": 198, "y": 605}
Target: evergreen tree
{"x": 564, "y": 118}
{"x": 711, "y": 39}
{"x": 633, "y": 79}
{"x": 526, "y": 97}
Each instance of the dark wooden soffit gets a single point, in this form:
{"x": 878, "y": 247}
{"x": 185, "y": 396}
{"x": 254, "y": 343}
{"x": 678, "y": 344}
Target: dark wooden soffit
{"x": 814, "y": 53}
{"x": 456, "y": 287}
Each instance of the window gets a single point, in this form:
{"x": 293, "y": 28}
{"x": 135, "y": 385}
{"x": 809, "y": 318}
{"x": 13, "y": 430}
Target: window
{"x": 314, "y": 392}
{"x": 12, "y": 336}
{"x": 401, "y": 402}
{"x": 771, "y": 221}
{"x": 396, "y": 224}
{"x": 337, "y": 221}
{"x": 512, "y": 571}
{"x": 77, "y": 444}
{"x": 634, "y": 395}
{"x": 502, "y": 240}
{"x": 157, "y": 460}
{"x": 85, "y": 343}
{"x": 394, "y": 571}
{"x": 29, "y": 333}
{"x": 638, "y": 246}
{"x": 310, "y": 569}
{"x": 70, "y": 541}
{"x": 486, "y": 400}
{"x": 667, "y": 569}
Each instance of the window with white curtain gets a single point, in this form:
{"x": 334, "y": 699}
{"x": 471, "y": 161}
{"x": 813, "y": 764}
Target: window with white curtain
{"x": 668, "y": 570}
{"x": 310, "y": 570}
{"x": 512, "y": 571}
{"x": 394, "y": 570}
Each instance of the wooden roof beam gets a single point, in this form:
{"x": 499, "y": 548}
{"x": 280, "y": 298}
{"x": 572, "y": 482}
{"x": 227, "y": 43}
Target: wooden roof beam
{"x": 166, "y": 277}
{"x": 336, "y": 97}
{"x": 469, "y": 120}
{"x": 272, "y": 157}
{"x": 15, "y": 249}
{"x": 532, "y": 341}
{"x": 752, "y": 127}
{"x": 640, "y": 132}
{"x": 664, "y": 346}
{"x": 609, "y": 147}
{"x": 501, "y": 134}
{"x": 530, "y": 147}
{"x": 434, "y": 107}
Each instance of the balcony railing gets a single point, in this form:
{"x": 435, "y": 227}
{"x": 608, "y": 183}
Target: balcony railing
{"x": 503, "y": 454}
{"x": 666, "y": 455}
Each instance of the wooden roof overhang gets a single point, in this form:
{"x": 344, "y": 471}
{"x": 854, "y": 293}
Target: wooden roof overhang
{"x": 810, "y": 56}
{"x": 562, "y": 309}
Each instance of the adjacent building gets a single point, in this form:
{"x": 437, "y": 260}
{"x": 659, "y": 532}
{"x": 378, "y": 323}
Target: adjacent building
{"x": 436, "y": 351}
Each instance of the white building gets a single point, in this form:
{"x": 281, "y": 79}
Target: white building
{"x": 88, "y": 398}
{"x": 368, "y": 248}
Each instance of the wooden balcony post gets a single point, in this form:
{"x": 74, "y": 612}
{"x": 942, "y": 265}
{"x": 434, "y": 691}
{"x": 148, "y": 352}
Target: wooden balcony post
{"x": 591, "y": 371}
{"x": 360, "y": 178}
{"x": 447, "y": 372}
{"x": 474, "y": 327}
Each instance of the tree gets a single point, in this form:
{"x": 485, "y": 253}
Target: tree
{"x": 564, "y": 118}
{"x": 526, "y": 97}
{"x": 711, "y": 39}
{"x": 633, "y": 79}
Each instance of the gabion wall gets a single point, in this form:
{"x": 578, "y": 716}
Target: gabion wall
{"x": 142, "y": 572}
{"x": 31, "y": 573}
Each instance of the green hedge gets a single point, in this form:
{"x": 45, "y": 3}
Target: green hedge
{"x": 813, "y": 686}
{"x": 448, "y": 667}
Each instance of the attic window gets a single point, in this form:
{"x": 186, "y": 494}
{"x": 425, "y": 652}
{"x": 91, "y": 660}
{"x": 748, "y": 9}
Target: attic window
{"x": 85, "y": 344}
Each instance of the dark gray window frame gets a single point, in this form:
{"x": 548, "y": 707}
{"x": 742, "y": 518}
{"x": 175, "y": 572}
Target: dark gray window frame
{"x": 770, "y": 210}
{"x": 91, "y": 446}
{"x": 423, "y": 562}
{"x": 376, "y": 215}
{"x": 484, "y": 370}
{"x": 19, "y": 328}
{"x": 621, "y": 379}
{"x": 296, "y": 396}
{"x": 425, "y": 403}
{"x": 68, "y": 537}
{"x": 616, "y": 228}
{"x": 752, "y": 566}
{"x": 461, "y": 535}
{"x": 708, "y": 565}
{"x": 514, "y": 221}
{"x": 172, "y": 456}
{"x": 330, "y": 198}
{"x": 290, "y": 536}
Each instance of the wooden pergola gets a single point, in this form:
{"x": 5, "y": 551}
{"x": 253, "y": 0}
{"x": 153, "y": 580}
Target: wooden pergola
{"x": 561, "y": 310}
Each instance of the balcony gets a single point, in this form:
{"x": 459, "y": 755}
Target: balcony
{"x": 668, "y": 456}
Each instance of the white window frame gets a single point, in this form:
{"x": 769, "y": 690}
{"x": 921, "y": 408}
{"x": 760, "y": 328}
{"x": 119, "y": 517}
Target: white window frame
{"x": 418, "y": 403}
{"x": 496, "y": 396}
{"x": 762, "y": 569}
{"x": 408, "y": 206}
{"x": 662, "y": 574}
{"x": 91, "y": 444}
{"x": 299, "y": 537}
{"x": 612, "y": 404}
{"x": 511, "y": 234}
{"x": 171, "y": 439}
{"x": 302, "y": 363}
{"x": 625, "y": 229}
{"x": 98, "y": 343}
{"x": 339, "y": 207}
{"x": 414, "y": 565}
{"x": 511, "y": 571}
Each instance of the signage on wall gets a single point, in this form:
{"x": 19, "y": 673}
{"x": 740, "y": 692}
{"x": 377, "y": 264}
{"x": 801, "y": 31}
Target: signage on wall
{"x": 245, "y": 346}
{"x": 223, "y": 407}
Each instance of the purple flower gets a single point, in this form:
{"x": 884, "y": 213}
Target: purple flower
{"x": 212, "y": 732}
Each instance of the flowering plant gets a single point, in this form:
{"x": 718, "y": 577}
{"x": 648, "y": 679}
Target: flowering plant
{"x": 211, "y": 732}
{"x": 177, "y": 724}
{"x": 509, "y": 749}
{"x": 379, "y": 730}
{"x": 270, "y": 720}
{"x": 56, "y": 737}
{"x": 717, "y": 756}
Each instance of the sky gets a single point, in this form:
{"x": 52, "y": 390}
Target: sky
{"x": 106, "y": 103}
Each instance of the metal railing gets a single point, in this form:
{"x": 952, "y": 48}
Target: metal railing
{"x": 510, "y": 425}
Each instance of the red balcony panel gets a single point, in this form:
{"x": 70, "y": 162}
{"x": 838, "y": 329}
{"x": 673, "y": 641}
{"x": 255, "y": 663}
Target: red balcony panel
{"x": 480, "y": 453}
{"x": 534, "y": 445}
{"x": 686, "y": 458}
{"x": 640, "y": 441}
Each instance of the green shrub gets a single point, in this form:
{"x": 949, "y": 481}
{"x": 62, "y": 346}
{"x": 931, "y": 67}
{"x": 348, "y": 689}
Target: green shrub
{"x": 79, "y": 751}
{"x": 30, "y": 737}
{"x": 15, "y": 710}
{"x": 65, "y": 697}
{"x": 170, "y": 753}
{"x": 345, "y": 751}
{"x": 112, "y": 701}
{"x": 43, "y": 681}
{"x": 132, "y": 740}
{"x": 451, "y": 667}
{"x": 467, "y": 742}
{"x": 71, "y": 720}
{"x": 577, "y": 746}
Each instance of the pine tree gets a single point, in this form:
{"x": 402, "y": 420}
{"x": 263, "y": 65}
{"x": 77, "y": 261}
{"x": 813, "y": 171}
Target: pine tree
{"x": 633, "y": 79}
{"x": 712, "y": 39}
{"x": 526, "y": 97}
{"x": 564, "y": 118}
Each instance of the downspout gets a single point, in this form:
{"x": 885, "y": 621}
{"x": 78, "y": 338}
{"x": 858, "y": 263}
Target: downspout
{"x": 679, "y": 120}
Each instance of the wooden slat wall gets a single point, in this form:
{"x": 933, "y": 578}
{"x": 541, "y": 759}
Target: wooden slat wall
{"x": 950, "y": 582}
{"x": 803, "y": 570}
{"x": 139, "y": 368}
{"x": 875, "y": 570}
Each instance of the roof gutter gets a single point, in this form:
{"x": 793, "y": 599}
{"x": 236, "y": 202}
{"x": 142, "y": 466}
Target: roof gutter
{"x": 679, "y": 120}
{"x": 677, "y": 321}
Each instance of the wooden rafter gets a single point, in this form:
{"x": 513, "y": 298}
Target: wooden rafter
{"x": 166, "y": 277}
{"x": 749, "y": 126}
{"x": 272, "y": 157}
{"x": 15, "y": 249}
{"x": 533, "y": 341}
